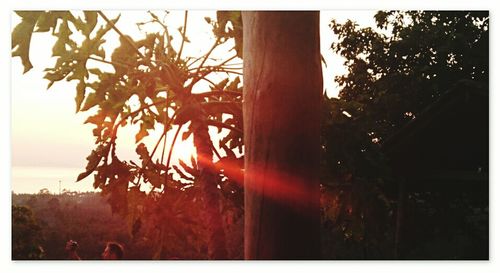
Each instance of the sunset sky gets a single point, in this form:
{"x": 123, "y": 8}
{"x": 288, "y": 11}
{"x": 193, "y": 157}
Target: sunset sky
{"x": 55, "y": 137}
{"x": 40, "y": 127}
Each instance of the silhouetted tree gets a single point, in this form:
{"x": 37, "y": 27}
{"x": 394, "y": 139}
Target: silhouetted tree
{"x": 26, "y": 235}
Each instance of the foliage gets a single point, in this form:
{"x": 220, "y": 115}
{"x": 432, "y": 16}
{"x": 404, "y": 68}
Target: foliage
{"x": 87, "y": 219}
{"x": 394, "y": 72}
{"x": 163, "y": 81}
{"x": 26, "y": 235}
{"x": 393, "y": 77}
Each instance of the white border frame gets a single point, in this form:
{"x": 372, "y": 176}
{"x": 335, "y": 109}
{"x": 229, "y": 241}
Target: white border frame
{"x": 6, "y": 265}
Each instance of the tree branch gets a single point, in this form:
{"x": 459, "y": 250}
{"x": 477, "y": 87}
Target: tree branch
{"x": 183, "y": 37}
{"x": 109, "y": 62}
{"x": 170, "y": 152}
{"x": 223, "y": 125}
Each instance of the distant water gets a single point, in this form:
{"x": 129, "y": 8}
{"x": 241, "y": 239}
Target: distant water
{"x": 33, "y": 179}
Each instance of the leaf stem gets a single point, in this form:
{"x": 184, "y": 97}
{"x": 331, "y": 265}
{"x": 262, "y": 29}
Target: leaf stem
{"x": 223, "y": 125}
{"x": 183, "y": 37}
{"x": 109, "y": 62}
{"x": 217, "y": 92}
{"x": 170, "y": 152}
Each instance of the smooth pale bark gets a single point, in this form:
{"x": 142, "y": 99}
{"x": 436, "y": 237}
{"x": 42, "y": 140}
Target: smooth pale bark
{"x": 281, "y": 108}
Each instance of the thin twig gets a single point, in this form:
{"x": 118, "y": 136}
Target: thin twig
{"x": 165, "y": 129}
{"x": 223, "y": 125}
{"x": 183, "y": 37}
{"x": 213, "y": 66}
{"x": 217, "y": 92}
{"x": 194, "y": 61}
{"x": 114, "y": 63}
{"x": 209, "y": 81}
{"x": 164, "y": 146}
{"x": 205, "y": 73}
{"x": 217, "y": 42}
{"x": 170, "y": 152}
{"x": 165, "y": 28}
{"x": 215, "y": 150}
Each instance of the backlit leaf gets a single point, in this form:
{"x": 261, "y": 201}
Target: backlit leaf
{"x": 91, "y": 21}
{"x": 143, "y": 132}
{"x": 80, "y": 94}
{"x": 193, "y": 172}
{"x": 91, "y": 101}
{"x": 59, "y": 48}
{"x": 47, "y": 21}
{"x": 186, "y": 135}
{"x": 181, "y": 173}
{"x": 54, "y": 77}
{"x": 93, "y": 160}
{"x": 21, "y": 37}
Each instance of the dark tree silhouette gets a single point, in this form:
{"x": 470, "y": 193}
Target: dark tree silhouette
{"x": 26, "y": 235}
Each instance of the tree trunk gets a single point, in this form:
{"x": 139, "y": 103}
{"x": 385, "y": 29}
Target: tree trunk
{"x": 281, "y": 108}
{"x": 208, "y": 182}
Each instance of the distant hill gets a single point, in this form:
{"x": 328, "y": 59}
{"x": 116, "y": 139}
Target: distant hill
{"x": 83, "y": 217}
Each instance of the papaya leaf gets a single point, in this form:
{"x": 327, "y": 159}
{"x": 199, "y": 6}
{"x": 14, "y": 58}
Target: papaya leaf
{"x": 233, "y": 85}
{"x": 143, "y": 132}
{"x": 190, "y": 170}
{"x": 47, "y": 21}
{"x": 59, "y": 48}
{"x": 93, "y": 161}
{"x": 153, "y": 177}
{"x": 83, "y": 175}
{"x": 193, "y": 162}
{"x": 95, "y": 71}
{"x": 223, "y": 18}
{"x": 79, "y": 72}
{"x": 186, "y": 135}
{"x": 220, "y": 85}
{"x": 99, "y": 180}
{"x": 101, "y": 53}
{"x": 96, "y": 119}
{"x": 182, "y": 174}
{"x": 142, "y": 151}
{"x": 91, "y": 22}
{"x": 91, "y": 101}
{"x": 124, "y": 54}
{"x": 21, "y": 36}
{"x": 80, "y": 94}
{"x": 54, "y": 77}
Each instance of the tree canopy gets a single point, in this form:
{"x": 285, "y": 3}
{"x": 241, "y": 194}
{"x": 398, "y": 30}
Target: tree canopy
{"x": 26, "y": 235}
{"x": 407, "y": 62}
{"x": 395, "y": 70}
